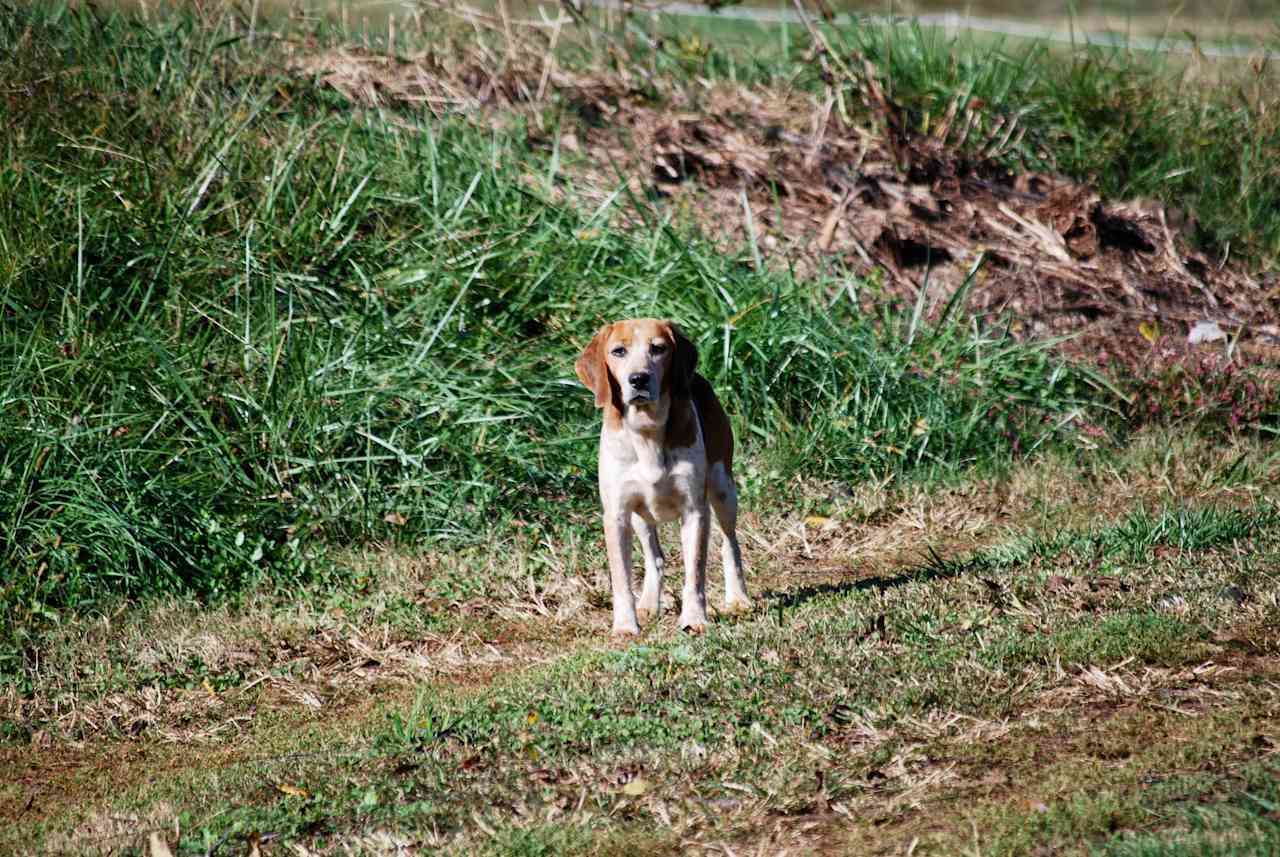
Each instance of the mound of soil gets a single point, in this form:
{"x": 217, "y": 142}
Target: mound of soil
{"x": 927, "y": 211}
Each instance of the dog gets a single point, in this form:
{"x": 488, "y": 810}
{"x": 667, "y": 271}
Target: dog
{"x": 666, "y": 452}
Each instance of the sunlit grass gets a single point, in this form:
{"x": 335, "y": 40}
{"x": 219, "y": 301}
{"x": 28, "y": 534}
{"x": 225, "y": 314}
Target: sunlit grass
{"x": 243, "y": 322}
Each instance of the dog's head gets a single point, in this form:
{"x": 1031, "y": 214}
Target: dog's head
{"x": 636, "y": 363}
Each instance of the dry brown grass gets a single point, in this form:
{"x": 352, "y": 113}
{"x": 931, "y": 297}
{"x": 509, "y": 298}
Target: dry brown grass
{"x": 1036, "y": 765}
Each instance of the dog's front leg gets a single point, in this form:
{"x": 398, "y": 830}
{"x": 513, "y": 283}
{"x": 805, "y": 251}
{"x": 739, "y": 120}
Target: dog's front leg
{"x": 617, "y": 537}
{"x": 693, "y": 543}
{"x": 650, "y": 604}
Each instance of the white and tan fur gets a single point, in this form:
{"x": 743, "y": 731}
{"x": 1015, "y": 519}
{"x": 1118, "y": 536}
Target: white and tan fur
{"x": 666, "y": 452}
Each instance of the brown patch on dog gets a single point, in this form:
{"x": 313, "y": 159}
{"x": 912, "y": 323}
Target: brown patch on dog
{"x": 684, "y": 360}
{"x": 682, "y": 425}
{"x": 716, "y": 433}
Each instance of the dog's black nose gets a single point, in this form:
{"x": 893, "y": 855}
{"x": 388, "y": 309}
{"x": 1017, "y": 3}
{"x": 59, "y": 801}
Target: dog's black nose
{"x": 639, "y": 380}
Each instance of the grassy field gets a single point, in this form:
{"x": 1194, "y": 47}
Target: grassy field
{"x": 297, "y": 495}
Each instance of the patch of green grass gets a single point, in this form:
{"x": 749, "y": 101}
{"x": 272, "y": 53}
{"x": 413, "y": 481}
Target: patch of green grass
{"x": 545, "y": 841}
{"x": 1248, "y": 825}
{"x": 1132, "y": 540}
{"x": 1183, "y": 528}
{"x": 240, "y": 324}
{"x": 1143, "y": 634}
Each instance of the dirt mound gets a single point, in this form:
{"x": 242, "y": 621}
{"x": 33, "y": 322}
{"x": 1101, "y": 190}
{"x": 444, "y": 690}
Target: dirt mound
{"x": 929, "y": 211}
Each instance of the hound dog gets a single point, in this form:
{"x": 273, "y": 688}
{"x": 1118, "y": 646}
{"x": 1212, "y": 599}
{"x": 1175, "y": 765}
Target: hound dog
{"x": 666, "y": 452}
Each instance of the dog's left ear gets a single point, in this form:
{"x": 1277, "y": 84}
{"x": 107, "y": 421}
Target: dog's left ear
{"x": 683, "y": 362}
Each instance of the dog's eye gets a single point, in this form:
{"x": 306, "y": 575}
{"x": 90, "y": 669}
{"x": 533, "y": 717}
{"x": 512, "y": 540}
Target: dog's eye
{"x": 619, "y": 352}
{"x": 657, "y": 348}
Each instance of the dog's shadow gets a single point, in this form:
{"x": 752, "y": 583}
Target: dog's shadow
{"x": 934, "y": 567}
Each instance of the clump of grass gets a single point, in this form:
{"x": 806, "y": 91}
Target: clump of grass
{"x": 240, "y": 326}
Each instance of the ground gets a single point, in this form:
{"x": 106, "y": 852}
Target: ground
{"x": 1063, "y": 640}
{"x": 1011, "y": 664}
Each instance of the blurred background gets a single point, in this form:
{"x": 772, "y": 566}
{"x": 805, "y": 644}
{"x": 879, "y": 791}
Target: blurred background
{"x": 1256, "y": 17}
{"x": 1230, "y": 28}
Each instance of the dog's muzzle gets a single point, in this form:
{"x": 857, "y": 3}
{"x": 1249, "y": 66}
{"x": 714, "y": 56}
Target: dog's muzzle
{"x": 638, "y": 384}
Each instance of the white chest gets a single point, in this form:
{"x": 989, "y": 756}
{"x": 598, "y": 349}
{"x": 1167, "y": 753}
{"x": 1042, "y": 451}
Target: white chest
{"x": 656, "y": 484}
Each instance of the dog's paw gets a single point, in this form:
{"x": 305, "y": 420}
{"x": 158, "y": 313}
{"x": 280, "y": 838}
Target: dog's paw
{"x": 739, "y": 605}
{"x": 622, "y": 632}
{"x": 648, "y": 608}
{"x": 693, "y": 624}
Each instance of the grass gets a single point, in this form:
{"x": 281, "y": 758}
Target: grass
{"x": 741, "y": 720}
{"x": 1248, "y": 827}
{"x": 906, "y": 688}
{"x": 243, "y": 324}
{"x": 297, "y": 506}
{"x": 1200, "y": 138}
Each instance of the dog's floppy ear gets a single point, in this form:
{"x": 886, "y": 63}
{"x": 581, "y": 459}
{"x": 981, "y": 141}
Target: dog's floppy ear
{"x": 592, "y": 370}
{"x": 683, "y": 362}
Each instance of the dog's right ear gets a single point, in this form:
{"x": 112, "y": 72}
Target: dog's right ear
{"x": 592, "y": 369}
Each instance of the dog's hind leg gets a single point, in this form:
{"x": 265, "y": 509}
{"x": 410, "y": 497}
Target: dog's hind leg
{"x": 722, "y": 495}
{"x": 650, "y": 604}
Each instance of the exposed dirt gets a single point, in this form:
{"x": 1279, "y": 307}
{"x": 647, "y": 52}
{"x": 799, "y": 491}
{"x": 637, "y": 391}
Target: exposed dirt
{"x": 817, "y": 192}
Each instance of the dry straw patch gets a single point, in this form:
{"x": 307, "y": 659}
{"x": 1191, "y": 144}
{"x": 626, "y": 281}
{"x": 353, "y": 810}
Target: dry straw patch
{"x": 1038, "y": 767}
{"x": 334, "y": 665}
{"x": 113, "y": 831}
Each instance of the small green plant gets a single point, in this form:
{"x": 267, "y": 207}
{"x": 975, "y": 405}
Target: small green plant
{"x": 422, "y": 725}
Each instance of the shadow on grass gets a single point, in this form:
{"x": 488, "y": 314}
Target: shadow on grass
{"x": 935, "y": 567}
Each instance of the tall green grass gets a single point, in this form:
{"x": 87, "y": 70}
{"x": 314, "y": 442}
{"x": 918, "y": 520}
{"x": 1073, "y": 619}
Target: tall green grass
{"x": 241, "y": 322}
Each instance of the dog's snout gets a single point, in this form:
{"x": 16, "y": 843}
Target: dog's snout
{"x": 639, "y": 380}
